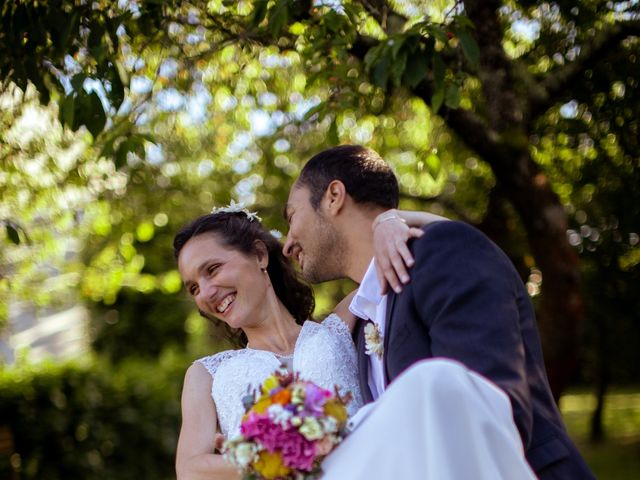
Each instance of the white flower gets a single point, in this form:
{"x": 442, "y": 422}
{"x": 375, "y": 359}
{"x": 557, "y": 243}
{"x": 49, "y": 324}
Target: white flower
{"x": 234, "y": 207}
{"x": 311, "y": 429}
{"x": 297, "y": 395}
{"x": 329, "y": 424}
{"x": 279, "y": 414}
{"x": 373, "y": 340}
{"x": 245, "y": 453}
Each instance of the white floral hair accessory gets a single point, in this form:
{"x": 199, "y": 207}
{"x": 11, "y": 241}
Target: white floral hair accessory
{"x": 239, "y": 207}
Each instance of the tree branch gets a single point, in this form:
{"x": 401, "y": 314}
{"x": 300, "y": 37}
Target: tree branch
{"x": 390, "y": 20}
{"x": 446, "y": 203}
{"x": 547, "y": 92}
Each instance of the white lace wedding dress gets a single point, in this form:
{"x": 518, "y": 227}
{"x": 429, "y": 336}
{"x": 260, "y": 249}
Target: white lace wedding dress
{"x": 437, "y": 421}
{"x": 323, "y": 353}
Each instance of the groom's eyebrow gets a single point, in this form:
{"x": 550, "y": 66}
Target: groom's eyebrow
{"x": 285, "y": 212}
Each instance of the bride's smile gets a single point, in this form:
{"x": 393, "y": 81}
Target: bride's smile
{"x": 225, "y": 304}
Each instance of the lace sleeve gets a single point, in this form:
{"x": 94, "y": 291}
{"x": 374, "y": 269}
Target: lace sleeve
{"x": 339, "y": 328}
{"x": 212, "y": 362}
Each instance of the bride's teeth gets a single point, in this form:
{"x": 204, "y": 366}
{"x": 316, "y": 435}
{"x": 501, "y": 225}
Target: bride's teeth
{"x": 225, "y": 303}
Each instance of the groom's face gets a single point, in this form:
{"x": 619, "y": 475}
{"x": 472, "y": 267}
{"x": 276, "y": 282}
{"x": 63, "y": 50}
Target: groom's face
{"x": 312, "y": 240}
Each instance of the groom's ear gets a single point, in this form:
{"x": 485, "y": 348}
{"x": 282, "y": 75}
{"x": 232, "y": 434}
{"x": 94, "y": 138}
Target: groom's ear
{"x": 335, "y": 197}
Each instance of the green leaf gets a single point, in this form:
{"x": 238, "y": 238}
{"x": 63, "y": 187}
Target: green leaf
{"x": 438, "y": 71}
{"x": 259, "y": 12}
{"x": 133, "y": 144}
{"x": 77, "y": 81}
{"x": 396, "y": 44}
{"x": 373, "y": 55}
{"x": 464, "y": 22}
{"x": 437, "y": 33}
{"x": 66, "y": 111}
{"x": 279, "y": 17}
{"x": 381, "y": 72}
{"x": 116, "y": 95}
{"x": 12, "y": 233}
{"x": 332, "y": 134}
{"x": 399, "y": 67}
{"x": 469, "y": 47}
{"x": 417, "y": 65}
{"x": 95, "y": 118}
{"x": 96, "y": 46}
{"x": 433, "y": 164}
{"x": 452, "y": 96}
{"x": 436, "y": 99}
{"x": 313, "y": 110}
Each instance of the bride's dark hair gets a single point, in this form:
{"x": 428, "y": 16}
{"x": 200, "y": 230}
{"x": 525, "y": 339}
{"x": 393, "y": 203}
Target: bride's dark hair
{"x": 237, "y": 231}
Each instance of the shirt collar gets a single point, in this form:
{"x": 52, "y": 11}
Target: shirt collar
{"x": 368, "y": 296}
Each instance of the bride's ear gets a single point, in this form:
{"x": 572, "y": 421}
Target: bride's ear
{"x": 262, "y": 253}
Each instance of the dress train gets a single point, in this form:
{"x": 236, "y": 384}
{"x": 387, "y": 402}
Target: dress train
{"x": 437, "y": 421}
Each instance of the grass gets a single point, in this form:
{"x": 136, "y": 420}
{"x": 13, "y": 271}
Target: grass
{"x": 618, "y": 456}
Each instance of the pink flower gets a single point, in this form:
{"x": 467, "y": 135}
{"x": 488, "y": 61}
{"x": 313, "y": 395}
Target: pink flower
{"x": 297, "y": 451}
{"x": 314, "y": 399}
{"x": 324, "y": 446}
{"x": 255, "y": 426}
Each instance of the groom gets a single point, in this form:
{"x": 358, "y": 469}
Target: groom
{"x": 465, "y": 301}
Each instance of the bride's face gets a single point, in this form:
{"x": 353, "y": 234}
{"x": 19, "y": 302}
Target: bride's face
{"x": 225, "y": 283}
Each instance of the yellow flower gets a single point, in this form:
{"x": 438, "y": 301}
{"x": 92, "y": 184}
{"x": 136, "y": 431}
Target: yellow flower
{"x": 270, "y": 465}
{"x": 336, "y": 410}
{"x": 269, "y": 384}
{"x": 262, "y": 404}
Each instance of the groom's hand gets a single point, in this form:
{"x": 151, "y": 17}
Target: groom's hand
{"x": 392, "y": 256}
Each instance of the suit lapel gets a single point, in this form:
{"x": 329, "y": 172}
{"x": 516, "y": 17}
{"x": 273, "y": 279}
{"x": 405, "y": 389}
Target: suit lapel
{"x": 363, "y": 361}
{"x": 391, "y": 300}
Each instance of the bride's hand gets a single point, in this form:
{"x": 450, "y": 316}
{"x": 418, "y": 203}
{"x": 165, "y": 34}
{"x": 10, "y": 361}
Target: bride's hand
{"x": 392, "y": 256}
{"x": 218, "y": 442}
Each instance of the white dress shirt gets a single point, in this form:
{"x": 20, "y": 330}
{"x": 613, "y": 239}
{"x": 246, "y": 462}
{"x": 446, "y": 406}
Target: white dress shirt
{"x": 370, "y": 305}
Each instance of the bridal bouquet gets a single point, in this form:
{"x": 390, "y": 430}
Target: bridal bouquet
{"x": 289, "y": 427}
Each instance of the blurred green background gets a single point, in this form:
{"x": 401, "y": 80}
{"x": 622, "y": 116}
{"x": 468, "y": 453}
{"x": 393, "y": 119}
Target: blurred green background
{"x": 122, "y": 121}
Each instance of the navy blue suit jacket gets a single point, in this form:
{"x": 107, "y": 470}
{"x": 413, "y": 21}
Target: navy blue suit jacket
{"x": 466, "y": 301}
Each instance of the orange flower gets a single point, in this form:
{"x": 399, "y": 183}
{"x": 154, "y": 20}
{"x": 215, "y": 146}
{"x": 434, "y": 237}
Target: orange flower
{"x": 270, "y": 465}
{"x": 282, "y": 397}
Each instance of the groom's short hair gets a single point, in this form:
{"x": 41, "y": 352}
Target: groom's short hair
{"x": 366, "y": 176}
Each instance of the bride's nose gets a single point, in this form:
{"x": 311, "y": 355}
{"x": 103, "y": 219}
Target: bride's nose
{"x": 208, "y": 291}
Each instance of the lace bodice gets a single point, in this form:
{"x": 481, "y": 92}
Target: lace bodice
{"x": 324, "y": 354}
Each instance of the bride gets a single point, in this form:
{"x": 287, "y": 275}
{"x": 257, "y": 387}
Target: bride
{"x": 437, "y": 421}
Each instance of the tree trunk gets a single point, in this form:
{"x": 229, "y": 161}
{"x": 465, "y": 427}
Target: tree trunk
{"x": 597, "y": 433}
{"x": 561, "y": 312}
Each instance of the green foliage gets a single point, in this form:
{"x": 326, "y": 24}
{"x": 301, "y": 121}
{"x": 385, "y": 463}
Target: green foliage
{"x": 615, "y": 458}
{"x": 91, "y": 421}
{"x": 178, "y": 106}
{"x": 140, "y": 325}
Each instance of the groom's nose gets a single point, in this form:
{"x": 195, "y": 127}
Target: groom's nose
{"x": 289, "y": 248}
{"x": 288, "y": 245}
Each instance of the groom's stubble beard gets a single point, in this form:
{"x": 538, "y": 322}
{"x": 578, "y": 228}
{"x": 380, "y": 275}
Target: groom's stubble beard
{"x": 325, "y": 258}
